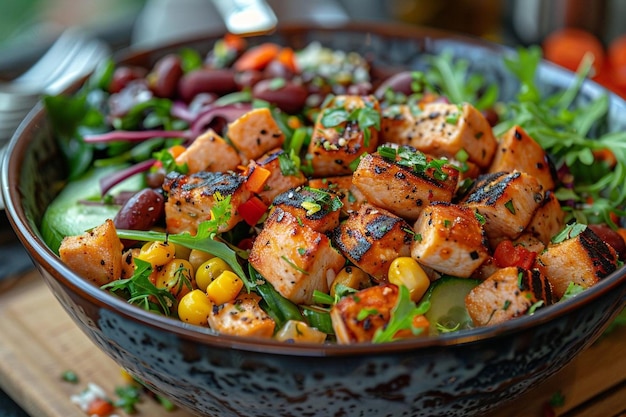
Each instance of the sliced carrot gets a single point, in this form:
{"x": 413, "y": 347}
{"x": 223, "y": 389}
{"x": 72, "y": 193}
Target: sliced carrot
{"x": 622, "y": 232}
{"x": 606, "y": 156}
{"x": 99, "y": 407}
{"x": 257, "y": 178}
{"x": 287, "y": 57}
{"x": 257, "y": 57}
{"x": 567, "y": 47}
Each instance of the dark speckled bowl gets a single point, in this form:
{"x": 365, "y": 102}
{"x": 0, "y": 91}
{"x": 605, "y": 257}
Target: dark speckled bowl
{"x": 461, "y": 374}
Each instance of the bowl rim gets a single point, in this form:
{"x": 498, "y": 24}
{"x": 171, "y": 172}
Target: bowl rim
{"x": 47, "y": 261}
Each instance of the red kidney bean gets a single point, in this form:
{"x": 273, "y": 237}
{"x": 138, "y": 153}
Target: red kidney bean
{"x": 163, "y": 78}
{"x": 611, "y": 237}
{"x": 135, "y": 92}
{"x": 400, "y": 82}
{"x": 491, "y": 116}
{"x": 141, "y": 211}
{"x": 123, "y": 75}
{"x": 215, "y": 81}
{"x": 289, "y": 97}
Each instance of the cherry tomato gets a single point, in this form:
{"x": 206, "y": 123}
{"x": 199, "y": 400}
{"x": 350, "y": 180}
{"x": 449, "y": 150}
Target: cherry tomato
{"x": 567, "y": 47}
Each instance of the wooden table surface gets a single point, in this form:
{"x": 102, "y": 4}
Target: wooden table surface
{"x": 38, "y": 342}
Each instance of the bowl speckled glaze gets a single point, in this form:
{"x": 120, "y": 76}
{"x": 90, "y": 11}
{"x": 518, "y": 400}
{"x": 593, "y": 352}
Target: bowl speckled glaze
{"x": 461, "y": 374}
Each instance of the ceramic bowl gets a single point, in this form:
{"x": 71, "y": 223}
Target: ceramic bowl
{"x": 460, "y": 374}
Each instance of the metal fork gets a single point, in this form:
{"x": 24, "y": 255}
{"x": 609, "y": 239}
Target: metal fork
{"x": 73, "y": 55}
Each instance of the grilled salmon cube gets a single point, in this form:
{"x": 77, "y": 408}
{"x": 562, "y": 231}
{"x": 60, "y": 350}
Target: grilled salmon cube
{"x": 242, "y": 317}
{"x": 449, "y": 238}
{"x": 209, "y": 152}
{"x": 294, "y": 258}
{"x": 398, "y": 123}
{"x": 583, "y": 260}
{"x": 342, "y": 186}
{"x": 443, "y": 129}
{"x": 507, "y": 201}
{"x": 318, "y": 209}
{"x": 191, "y": 197}
{"x": 278, "y": 180}
{"x": 508, "y": 293}
{"x": 338, "y": 140}
{"x": 372, "y": 238}
{"x": 402, "y": 187}
{"x": 347, "y": 318}
{"x": 95, "y": 255}
{"x": 255, "y": 133}
{"x": 518, "y": 151}
{"x": 548, "y": 220}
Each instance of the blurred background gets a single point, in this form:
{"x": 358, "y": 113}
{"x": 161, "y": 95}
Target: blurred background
{"x": 28, "y": 27}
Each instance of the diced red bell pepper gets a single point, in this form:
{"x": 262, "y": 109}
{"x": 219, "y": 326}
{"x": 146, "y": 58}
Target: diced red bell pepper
{"x": 257, "y": 178}
{"x": 508, "y": 254}
{"x": 252, "y": 210}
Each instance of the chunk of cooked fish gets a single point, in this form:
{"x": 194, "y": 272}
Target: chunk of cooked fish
{"x": 209, "y": 152}
{"x": 342, "y": 186}
{"x": 280, "y": 180}
{"x": 242, "y": 317}
{"x": 583, "y": 260}
{"x": 95, "y": 255}
{"x": 518, "y": 151}
{"x": 372, "y": 238}
{"x": 507, "y": 201}
{"x": 319, "y": 209}
{"x": 294, "y": 258}
{"x": 449, "y": 238}
{"x": 255, "y": 133}
{"x": 339, "y": 138}
{"x": 406, "y": 185}
{"x": 191, "y": 197}
{"x": 443, "y": 129}
{"x": 510, "y": 292}
{"x": 350, "y": 323}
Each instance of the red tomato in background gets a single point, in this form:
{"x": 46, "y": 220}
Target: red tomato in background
{"x": 567, "y": 47}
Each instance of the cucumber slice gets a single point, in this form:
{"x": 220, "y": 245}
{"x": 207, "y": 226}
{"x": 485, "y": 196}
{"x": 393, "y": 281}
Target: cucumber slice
{"x": 67, "y": 216}
{"x": 447, "y": 304}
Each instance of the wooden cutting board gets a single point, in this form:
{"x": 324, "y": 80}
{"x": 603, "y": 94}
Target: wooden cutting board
{"x": 38, "y": 342}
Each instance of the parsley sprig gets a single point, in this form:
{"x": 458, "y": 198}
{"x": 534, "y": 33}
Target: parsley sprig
{"x": 365, "y": 117}
{"x": 414, "y": 160}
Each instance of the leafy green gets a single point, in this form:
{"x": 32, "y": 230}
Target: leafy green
{"x": 365, "y": 117}
{"x": 414, "y": 160}
{"x": 402, "y": 316}
{"x": 129, "y": 397}
{"x": 457, "y": 83}
{"x": 78, "y": 207}
{"x": 140, "y": 291}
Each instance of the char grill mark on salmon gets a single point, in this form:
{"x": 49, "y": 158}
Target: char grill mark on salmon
{"x": 191, "y": 197}
{"x": 583, "y": 260}
{"x": 372, "y": 238}
{"x": 508, "y": 293}
{"x": 507, "y": 201}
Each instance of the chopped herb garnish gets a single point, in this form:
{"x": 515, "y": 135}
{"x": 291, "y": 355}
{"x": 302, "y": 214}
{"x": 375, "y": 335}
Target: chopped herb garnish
{"x": 534, "y": 307}
{"x": 481, "y": 219}
{"x": 365, "y": 313}
{"x": 294, "y": 266}
{"x": 507, "y": 304}
{"x": 402, "y": 316}
{"x": 509, "y": 206}
{"x": 569, "y": 231}
{"x": 452, "y": 118}
{"x": 414, "y": 160}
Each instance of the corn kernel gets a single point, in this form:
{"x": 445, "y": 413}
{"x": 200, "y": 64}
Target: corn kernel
{"x": 224, "y": 288}
{"x": 408, "y": 272}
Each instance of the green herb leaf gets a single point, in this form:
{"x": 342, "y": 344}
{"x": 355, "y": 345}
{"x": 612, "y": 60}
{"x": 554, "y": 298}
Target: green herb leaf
{"x": 401, "y": 318}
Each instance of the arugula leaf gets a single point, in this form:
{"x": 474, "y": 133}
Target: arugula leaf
{"x": 141, "y": 291}
{"x": 401, "y": 318}
{"x": 455, "y": 82}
